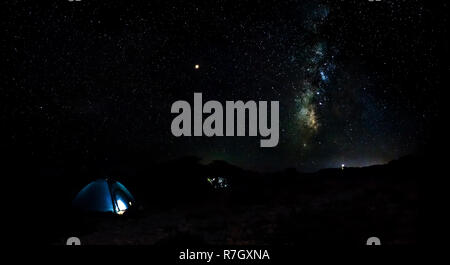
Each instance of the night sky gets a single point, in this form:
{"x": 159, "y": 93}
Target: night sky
{"x": 358, "y": 82}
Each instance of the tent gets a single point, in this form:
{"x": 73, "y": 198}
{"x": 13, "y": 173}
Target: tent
{"x": 104, "y": 195}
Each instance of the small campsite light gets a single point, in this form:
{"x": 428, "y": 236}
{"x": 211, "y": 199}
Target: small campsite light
{"x": 342, "y": 166}
{"x": 121, "y": 207}
{"x": 218, "y": 182}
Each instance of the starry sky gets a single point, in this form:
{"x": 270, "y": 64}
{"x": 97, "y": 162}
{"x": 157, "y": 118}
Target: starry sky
{"x": 358, "y": 82}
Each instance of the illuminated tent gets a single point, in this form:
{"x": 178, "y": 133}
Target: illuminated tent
{"x": 104, "y": 195}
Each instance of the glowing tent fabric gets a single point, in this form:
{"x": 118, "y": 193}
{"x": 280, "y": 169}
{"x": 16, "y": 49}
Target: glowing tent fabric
{"x": 104, "y": 195}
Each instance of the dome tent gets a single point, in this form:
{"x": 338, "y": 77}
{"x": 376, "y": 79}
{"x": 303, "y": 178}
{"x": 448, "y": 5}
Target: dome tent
{"x": 104, "y": 195}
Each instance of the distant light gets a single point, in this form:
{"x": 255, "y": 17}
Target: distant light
{"x": 197, "y": 66}
{"x": 342, "y": 166}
